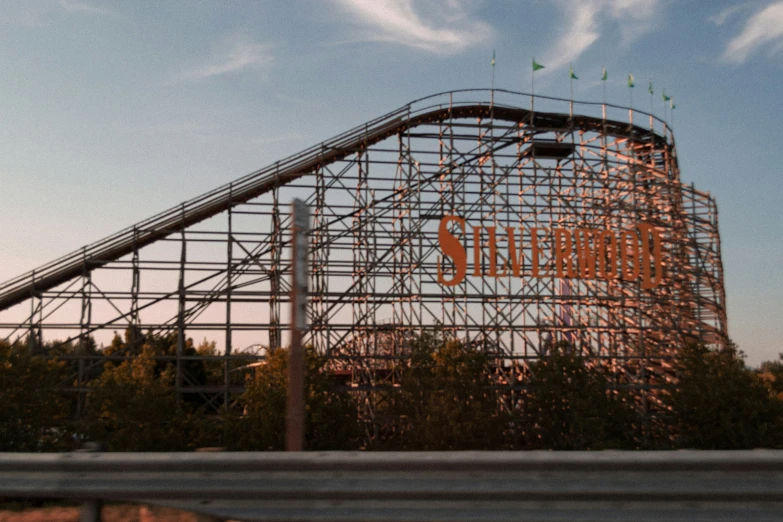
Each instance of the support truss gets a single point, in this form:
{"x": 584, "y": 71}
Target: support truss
{"x": 217, "y": 267}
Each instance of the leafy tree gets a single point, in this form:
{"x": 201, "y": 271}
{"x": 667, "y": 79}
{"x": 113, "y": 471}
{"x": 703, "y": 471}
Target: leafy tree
{"x": 163, "y": 347}
{"x": 330, "y": 414}
{"x": 262, "y": 426}
{"x": 567, "y": 405}
{"x": 771, "y": 373}
{"x": 34, "y": 415}
{"x": 211, "y": 371}
{"x": 446, "y": 400}
{"x": 719, "y": 403}
{"x": 132, "y": 406}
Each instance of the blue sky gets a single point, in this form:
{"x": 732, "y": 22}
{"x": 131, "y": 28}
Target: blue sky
{"x": 112, "y": 111}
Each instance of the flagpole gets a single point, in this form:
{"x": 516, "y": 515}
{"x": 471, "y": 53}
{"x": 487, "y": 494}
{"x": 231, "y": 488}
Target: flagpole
{"x": 604, "y": 77}
{"x": 572, "y": 96}
{"x": 492, "y": 92}
{"x": 665, "y": 116}
{"x": 651, "y": 97}
{"x": 571, "y": 77}
{"x": 532, "y": 87}
{"x": 536, "y": 66}
{"x": 631, "y": 85}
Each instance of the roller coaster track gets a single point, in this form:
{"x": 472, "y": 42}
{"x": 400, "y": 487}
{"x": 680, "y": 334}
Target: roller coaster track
{"x": 252, "y": 185}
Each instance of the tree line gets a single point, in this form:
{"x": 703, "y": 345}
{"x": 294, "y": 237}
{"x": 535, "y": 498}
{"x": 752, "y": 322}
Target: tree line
{"x": 448, "y": 397}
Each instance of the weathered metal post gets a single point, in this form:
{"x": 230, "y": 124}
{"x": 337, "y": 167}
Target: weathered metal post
{"x": 295, "y": 407}
{"x": 91, "y": 509}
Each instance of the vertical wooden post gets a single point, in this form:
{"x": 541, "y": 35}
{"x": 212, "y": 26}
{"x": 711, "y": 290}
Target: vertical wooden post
{"x": 229, "y": 283}
{"x": 295, "y": 407}
{"x": 181, "y": 318}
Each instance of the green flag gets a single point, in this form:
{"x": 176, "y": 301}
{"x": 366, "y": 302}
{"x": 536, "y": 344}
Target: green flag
{"x": 650, "y": 89}
{"x": 492, "y": 63}
{"x": 630, "y": 81}
{"x": 604, "y": 76}
{"x": 664, "y": 96}
{"x": 537, "y": 66}
{"x": 571, "y": 73}
{"x": 671, "y": 103}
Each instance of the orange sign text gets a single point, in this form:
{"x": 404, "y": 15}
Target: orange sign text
{"x": 633, "y": 254}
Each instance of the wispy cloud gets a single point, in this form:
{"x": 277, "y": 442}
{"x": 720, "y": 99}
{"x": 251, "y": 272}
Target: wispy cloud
{"x": 722, "y": 16}
{"x": 43, "y": 13}
{"x": 764, "y": 28}
{"x": 586, "y": 20}
{"x": 81, "y": 7}
{"x": 241, "y": 55}
{"x": 401, "y": 22}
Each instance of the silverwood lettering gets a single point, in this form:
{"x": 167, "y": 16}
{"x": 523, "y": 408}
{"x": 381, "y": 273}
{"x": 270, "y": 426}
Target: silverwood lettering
{"x": 633, "y": 254}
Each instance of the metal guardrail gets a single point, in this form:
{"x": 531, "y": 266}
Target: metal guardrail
{"x": 352, "y": 486}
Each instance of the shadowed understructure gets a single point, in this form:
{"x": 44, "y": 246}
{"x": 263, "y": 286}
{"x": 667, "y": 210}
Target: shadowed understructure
{"x": 218, "y": 266}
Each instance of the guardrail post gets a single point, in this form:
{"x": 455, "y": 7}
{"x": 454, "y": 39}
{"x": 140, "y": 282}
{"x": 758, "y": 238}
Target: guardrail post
{"x": 91, "y": 509}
